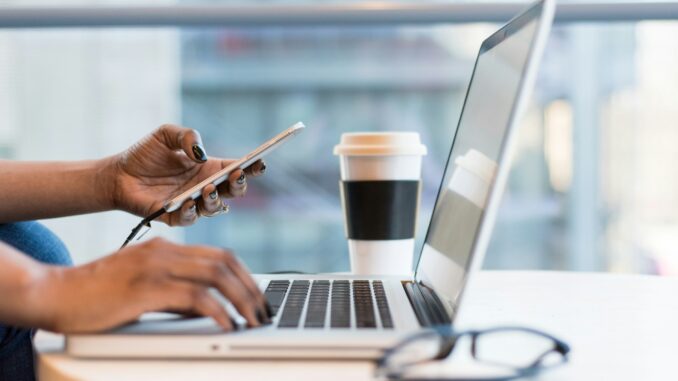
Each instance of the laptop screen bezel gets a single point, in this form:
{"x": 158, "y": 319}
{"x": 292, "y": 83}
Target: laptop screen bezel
{"x": 536, "y": 12}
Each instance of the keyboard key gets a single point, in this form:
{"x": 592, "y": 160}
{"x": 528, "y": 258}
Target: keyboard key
{"x": 340, "y": 314}
{"x": 382, "y": 304}
{"x": 317, "y": 304}
{"x": 275, "y": 293}
{"x": 275, "y": 299}
{"x": 294, "y": 305}
{"x": 364, "y": 307}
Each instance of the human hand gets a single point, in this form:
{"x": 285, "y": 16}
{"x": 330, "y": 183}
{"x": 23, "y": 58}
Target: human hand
{"x": 166, "y": 163}
{"x": 156, "y": 275}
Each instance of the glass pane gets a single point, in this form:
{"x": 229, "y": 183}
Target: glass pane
{"x": 240, "y": 87}
{"x": 590, "y": 187}
{"x": 73, "y": 94}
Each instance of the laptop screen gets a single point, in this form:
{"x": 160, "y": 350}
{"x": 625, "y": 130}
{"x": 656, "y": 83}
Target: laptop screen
{"x": 473, "y": 162}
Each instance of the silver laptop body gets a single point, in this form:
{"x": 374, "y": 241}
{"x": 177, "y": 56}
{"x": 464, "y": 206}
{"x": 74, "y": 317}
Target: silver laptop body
{"x": 330, "y": 316}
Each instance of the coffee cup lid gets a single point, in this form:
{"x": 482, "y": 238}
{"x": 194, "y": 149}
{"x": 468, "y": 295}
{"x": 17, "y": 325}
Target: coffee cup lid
{"x": 380, "y": 143}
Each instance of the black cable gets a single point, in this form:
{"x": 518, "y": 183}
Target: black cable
{"x": 145, "y": 222}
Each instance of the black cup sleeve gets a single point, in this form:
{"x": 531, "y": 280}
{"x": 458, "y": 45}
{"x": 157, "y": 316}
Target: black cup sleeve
{"x": 380, "y": 210}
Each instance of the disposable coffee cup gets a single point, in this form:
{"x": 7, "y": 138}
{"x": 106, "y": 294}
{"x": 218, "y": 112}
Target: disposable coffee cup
{"x": 380, "y": 188}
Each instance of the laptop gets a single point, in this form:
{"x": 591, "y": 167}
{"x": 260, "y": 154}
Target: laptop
{"x": 357, "y": 317}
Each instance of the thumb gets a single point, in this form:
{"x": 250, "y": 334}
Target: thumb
{"x": 197, "y": 152}
{"x": 186, "y": 139}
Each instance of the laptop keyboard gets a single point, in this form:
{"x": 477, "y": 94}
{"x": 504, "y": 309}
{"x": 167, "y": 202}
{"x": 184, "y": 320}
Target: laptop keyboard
{"x": 348, "y": 303}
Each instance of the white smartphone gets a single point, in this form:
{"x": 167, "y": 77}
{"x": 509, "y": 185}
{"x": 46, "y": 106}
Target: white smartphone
{"x": 241, "y": 163}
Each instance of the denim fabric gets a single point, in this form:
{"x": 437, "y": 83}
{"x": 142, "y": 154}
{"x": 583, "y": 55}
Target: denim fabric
{"x": 16, "y": 346}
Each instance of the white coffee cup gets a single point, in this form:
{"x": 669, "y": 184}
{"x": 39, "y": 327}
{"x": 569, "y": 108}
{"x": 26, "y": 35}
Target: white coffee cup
{"x": 380, "y": 186}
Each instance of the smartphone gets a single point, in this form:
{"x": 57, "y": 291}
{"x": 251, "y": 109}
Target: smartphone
{"x": 241, "y": 163}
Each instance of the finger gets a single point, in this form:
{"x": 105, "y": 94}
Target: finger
{"x": 194, "y": 298}
{"x": 256, "y": 169}
{"x": 238, "y": 183}
{"x": 230, "y": 287}
{"x": 210, "y": 202}
{"x": 243, "y": 274}
{"x": 186, "y": 139}
{"x": 194, "y": 264}
{"x": 185, "y": 216}
{"x": 240, "y": 271}
{"x": 236, "y": 186}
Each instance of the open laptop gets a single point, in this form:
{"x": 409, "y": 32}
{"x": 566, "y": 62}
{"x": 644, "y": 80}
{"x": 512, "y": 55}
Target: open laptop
{"x": 327, "y": 316}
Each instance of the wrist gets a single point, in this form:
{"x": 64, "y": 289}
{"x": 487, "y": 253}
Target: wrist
{"x": 106, "y": 182}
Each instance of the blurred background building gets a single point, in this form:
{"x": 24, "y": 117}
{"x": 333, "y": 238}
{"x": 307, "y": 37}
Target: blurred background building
{"x": 592, "y": 186}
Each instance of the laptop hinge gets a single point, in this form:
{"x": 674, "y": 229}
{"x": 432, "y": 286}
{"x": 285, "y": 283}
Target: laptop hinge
{"x": 426, "y": 305}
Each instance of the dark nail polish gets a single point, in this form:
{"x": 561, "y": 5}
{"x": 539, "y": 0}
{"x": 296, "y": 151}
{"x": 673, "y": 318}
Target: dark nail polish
{"x": 260, "y": 316}
{"x": 263, "y": 167}
{"x": 263, "y": 320}
{"x": 199, "y": 153}
{"x": 213, "y": 195}
{"x": 235, "y": 325}
{"x": 269, "y": 310}
{"x": 241, "y": 179}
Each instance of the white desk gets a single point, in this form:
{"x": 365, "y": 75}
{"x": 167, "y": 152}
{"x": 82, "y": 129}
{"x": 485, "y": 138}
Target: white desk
{"x": 620, "y": 327}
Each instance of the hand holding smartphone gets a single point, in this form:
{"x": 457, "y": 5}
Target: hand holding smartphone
{"x": 242, "y": 163}
{"x": 218, "y": 178}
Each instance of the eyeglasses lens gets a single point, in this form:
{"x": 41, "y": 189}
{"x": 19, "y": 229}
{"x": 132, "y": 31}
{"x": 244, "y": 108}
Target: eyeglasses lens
{"x": 515, "y": 349}
{"x": 423, "y": 348}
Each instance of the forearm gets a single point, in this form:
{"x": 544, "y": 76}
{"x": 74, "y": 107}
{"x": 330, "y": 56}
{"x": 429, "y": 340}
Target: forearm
{"x": 19, "y": 276}
{"x": 35, "y": 190}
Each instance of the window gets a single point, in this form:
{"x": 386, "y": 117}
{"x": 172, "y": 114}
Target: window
{"x": 591, "y": 186}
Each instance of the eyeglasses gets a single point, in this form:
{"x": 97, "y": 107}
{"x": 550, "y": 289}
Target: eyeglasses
{"x": 522, "y": 351}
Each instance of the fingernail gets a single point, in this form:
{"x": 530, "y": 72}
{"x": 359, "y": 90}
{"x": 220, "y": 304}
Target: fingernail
{"x": 263, "y": 167}
{"x": 213, "y": 195}
{"x": 193, "y": 209}
{"x": 269, "y": 310}
{"x": 241, "y": 179}
{"x": 262, "y": 318}
{"x": 235, "y": 325}
{"x": 199, "y": 153}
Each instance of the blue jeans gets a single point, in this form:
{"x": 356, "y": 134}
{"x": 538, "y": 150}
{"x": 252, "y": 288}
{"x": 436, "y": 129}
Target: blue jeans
{"x": 16, "y": 345}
